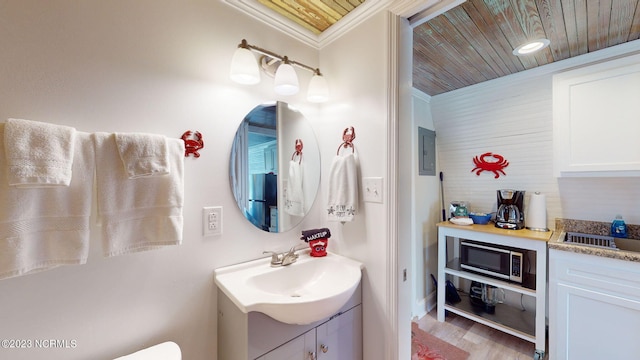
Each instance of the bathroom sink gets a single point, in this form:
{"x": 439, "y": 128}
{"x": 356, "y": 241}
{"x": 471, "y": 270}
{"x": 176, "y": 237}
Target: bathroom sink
{"x": 311, "y": 289}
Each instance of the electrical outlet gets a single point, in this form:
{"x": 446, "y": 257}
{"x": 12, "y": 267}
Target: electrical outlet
{"x": 372, "y": 188}
{"x": 212, "y": 220}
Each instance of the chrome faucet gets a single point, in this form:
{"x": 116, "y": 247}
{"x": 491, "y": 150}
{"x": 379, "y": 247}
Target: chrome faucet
{"x": 290, "y": 257}
{"x": 276, "y": 259}
{"x": 284, "y": 259}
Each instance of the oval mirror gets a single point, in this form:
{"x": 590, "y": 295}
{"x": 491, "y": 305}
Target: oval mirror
{"x": 274, "y": 167}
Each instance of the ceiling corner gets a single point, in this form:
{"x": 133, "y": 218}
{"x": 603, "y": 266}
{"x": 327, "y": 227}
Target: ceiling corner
{"x": 265, "y": 15}
{"x": 262, "y": 13}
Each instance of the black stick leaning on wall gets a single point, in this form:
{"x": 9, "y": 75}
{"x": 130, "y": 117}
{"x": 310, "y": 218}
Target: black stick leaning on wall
{"x": 444, "y": 212}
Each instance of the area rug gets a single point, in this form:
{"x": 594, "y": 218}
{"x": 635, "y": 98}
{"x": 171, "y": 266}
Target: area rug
{"x": 425, "y": 346}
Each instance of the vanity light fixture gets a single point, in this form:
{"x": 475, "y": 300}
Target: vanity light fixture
{"x": 286, "y": 79}
{"x": 318, "y": 89}
{"x": 531, "y": 47}
{"x": 245, "y": 70}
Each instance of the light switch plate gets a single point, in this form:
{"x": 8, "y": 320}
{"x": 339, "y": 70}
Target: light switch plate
{"x": 372, "y": 189}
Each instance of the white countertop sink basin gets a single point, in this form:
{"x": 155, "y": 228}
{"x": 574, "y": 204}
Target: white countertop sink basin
{"x": 309, "y": 290}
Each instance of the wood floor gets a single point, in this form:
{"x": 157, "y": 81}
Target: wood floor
{"x": 481, "y": 341}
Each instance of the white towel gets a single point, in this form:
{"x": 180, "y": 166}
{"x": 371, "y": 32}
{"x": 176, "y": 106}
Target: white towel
{"x": 38, "y": 154}
{"x": 41, "y": 228}
{"x": 143, "y": 154}
{"x": 138, "y": 214}
{"x": 343, "y": 188}
{"x": 294, "y": 203}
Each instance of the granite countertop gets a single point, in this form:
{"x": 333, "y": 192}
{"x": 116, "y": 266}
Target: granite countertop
{"x": 595, "y": 228}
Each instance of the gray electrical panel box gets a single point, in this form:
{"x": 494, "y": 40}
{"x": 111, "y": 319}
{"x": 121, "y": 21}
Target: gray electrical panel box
{"x": 426, "y": 152}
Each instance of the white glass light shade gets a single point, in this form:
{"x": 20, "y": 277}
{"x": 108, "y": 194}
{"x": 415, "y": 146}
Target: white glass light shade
{"x": 244, "y": 67}
{"x": 286, "y": 80}
{"x": 318, "y": 89}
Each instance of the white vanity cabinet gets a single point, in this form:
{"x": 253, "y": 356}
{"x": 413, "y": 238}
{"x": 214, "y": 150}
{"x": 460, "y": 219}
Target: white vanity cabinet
{"x": 594, "y": 307}
{"x": 338, "y": 338}
{"x": 595, "y": 119}
{"x": 256, "y": 336}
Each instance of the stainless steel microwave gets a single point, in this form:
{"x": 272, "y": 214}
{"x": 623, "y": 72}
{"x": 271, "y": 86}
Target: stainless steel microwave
{"x": 501, "y": 262}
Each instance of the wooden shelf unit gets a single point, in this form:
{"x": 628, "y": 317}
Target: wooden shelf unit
{"x": 529, "y": 325}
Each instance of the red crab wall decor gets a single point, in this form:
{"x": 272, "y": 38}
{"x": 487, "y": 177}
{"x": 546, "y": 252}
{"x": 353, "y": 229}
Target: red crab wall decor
{"x": 496, "y": 166}
{"x": 192, "y": 143}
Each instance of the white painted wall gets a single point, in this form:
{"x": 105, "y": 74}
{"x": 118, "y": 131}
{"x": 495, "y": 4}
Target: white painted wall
{"x": 359, "y": 98}
{"x": 425, "y": 209}
{"x": 512, "y": 116}
{"x": 161, "y": 66}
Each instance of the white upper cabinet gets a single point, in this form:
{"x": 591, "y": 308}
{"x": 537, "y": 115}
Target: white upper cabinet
{"x": 596, "y": 119}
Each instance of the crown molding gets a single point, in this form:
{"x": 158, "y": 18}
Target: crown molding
{"x": 417, "y": 11}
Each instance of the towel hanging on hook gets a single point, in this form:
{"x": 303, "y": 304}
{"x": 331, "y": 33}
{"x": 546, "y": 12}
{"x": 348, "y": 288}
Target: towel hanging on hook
{"x": 342, "y": 204}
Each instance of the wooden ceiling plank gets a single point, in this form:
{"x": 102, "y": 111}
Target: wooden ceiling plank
{"x": 452, "y": 60}
{"x": 481, "y": 16}
{"x": 300, "y": 13}
{"x": 634, "y": 33}
{"x": 469, "y": 57}
{"x": 503, "y": 14}
{"x": 341, "y": 3}
{"x": 439, "y": 54}
{"x": 461, "y": 21}
{"x": 424, "y": 62}
{"x": 598, "y": 15}
{"x": 424, "y": 54}
{"x": 429, "y": 82}
{"x": 526, "y": 12}
{"x": 553, "y": 23}
{"x": 622, "y": 15}
{"x": 310, "y": 11}
{"x": 287, "y": 14}
{"x": 580, "y": 14}
{"x": 574, "y": 27}
{"x": 570, "y": 25}
{"x": 429, "y": 76}
{"x": 334, "y": 6}
{"x": 321, "y": 6}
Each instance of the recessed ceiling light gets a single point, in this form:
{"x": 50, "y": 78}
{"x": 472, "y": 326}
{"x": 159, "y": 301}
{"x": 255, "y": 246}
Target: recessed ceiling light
{"x": 531, "y": 47}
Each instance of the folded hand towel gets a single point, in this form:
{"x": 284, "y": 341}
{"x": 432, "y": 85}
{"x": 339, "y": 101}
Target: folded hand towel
{"x": 41, "y": 228}
{"x": 138, "y": 214}
{"x": 294, "y": 203}
{"x": 343, "y": 188}
{"x": 38, "y": 154}
{"x": 143, "y": 154}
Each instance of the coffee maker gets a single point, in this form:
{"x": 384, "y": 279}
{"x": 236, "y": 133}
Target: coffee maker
{"x": 510, "y": 214}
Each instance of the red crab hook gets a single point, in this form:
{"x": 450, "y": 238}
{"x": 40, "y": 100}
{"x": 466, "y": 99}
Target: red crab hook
{"x": 348, "y": 135}
{"x": 192, "y": 143}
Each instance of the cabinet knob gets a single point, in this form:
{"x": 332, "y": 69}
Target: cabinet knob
{"x": 324, "y": 348}
{"x": 312, "y": 355}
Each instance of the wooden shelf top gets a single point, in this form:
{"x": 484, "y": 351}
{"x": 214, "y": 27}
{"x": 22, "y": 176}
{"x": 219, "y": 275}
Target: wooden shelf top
{"x": 490, "y": 228}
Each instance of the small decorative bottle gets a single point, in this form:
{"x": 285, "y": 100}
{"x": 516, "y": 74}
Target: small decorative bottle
{"x": 618, "y": 227}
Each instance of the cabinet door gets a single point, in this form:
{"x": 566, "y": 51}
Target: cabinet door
{"x": 595, "y": 325}
{"x": 595, "y": 119}
{"x": 594, "y": 307}
{"x": 296, "y": 349}
{"x": 341, "y": 337}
